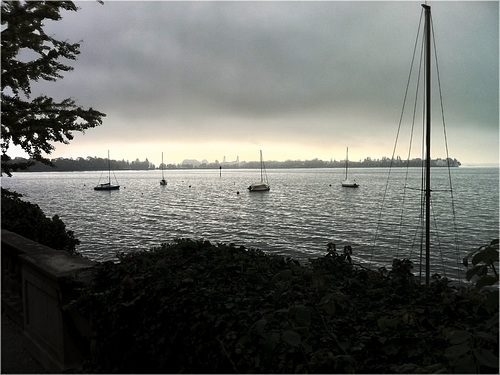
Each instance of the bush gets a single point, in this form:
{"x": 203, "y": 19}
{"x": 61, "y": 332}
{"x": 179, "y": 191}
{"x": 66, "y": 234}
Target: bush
{"x": 194, "y": 307}
{"x": 483, "y": 270}
{"x": 28, "y": 220}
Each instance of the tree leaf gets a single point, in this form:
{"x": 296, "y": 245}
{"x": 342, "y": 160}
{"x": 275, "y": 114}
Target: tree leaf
{"x": 458, "y": 337}
{"x": 486, "y": 281}
{"x": 490, "y": 254}
{"x": 328, "y": 304}
{"x": 483, "y": 270}
{"x": 478, "y": 257}
{"x": 465, "y": 365}
{"x": 486, "y": 357}
{"x": 291, "y": 337}
{"x": 471, "y": 272}
{"x": 457, "y": 351}
{"x": 487, "y": 336}
{"x": 303, "y": 316}
{"x": 270, "y": 343}
{"x": 260, "y": 327}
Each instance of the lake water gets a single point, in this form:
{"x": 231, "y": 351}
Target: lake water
{"x": 304, "y": 211}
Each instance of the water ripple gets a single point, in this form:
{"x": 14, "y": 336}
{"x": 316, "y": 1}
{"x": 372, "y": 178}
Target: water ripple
{"x": 303, "y": 212}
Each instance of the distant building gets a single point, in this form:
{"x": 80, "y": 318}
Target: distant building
{"x": 193, "y": 162}
{"x": 236, "y": 162}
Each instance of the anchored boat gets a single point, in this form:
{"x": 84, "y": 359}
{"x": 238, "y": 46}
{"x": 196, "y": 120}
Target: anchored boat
{"x": 263, "y": 185}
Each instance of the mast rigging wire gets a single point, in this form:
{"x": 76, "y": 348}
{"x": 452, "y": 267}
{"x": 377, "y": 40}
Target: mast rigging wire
{"x": 423, "y": 195}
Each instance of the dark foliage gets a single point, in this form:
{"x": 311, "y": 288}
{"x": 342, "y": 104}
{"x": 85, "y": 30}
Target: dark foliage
{"x": 483, "y": 269}
{"x": 35, "y": 124}
{"x": 194, "y": 307}
{"x": 28, "y": 220}
{"x": 87, "y": 164}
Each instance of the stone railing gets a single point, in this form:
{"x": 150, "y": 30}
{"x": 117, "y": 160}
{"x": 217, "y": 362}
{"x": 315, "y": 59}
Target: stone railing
{"x": 34, "y": 287}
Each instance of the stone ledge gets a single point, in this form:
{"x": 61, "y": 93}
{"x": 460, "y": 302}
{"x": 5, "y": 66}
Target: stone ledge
{"x": 54, "y": 264}
{"x": 37, "y": 278}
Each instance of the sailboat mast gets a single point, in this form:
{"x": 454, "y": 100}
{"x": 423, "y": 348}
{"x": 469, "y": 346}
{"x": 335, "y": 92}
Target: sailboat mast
{"x": 162, "y": 167}
{"x": 261, "y": 179}
{"x": 427, "y": 139}
{"x": 346, "y": 162}
{"x": 109, "y": 169}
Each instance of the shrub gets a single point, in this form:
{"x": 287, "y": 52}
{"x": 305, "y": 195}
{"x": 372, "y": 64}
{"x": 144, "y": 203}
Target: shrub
{"x": 195, "y": 307}
{"x": 28, "y": 220}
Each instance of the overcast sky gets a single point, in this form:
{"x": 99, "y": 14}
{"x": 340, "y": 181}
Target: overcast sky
{"x": 299, "y": 80}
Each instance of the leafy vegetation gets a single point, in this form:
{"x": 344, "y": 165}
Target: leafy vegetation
{"x": 483, "y": 265}
{"x": 88, "y": 164}
{"x": 28, "y": 220}
{"x": 30, "y": 55}
{"x": 192, "y": 307}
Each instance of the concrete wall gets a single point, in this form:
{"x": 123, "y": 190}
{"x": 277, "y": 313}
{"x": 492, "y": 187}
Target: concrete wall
{"x": 34, "y": 287}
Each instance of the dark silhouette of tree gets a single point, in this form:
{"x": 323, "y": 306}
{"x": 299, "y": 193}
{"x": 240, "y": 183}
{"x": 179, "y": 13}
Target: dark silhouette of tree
{"x": 35, "y": 124}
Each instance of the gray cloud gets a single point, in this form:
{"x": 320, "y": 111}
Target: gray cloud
{"x": 333, "y": 67}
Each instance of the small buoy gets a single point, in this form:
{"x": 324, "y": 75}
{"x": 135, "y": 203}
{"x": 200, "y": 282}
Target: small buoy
{"x": 190, "y": 186}
{"x": 237, "y": 193}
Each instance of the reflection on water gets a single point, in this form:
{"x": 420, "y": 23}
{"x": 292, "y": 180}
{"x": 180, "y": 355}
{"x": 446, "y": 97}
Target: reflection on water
{"x": 304, "y": 211}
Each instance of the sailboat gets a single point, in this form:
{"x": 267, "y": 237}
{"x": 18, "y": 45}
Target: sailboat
{"x": 163, "y": 182}
{"x": 262, "y": 185}
{"x": 346, "y": 182}
{"x": 107, "y": 185}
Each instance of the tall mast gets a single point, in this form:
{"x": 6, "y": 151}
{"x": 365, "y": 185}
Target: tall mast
{"x": 427, "y": 138}
{"x": 162, "y": 166}
{"x": 261, "y": 179}
{"x": 346, "y": 161}
{"x": 109, "y": 169}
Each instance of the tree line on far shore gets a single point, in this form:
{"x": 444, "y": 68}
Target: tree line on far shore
{"x": 98, "y": 164}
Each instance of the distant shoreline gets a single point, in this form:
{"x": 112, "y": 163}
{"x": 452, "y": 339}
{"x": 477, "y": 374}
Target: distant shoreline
{"x": 99, "y": 164}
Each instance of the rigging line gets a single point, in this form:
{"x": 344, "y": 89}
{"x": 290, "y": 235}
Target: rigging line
{"x": 446, "y": 147}
{"x": 422, "y": 189}
{"x": 397, "y": 134}
{"x": 411, "y": 141}
{"x": 433, "y": 190}
{"x": 422, "y": 228}
{"x": 412, "y": 188}
{"x": 116, "y": 180}
{"x": 433, "y": 214}
{"x": 422, "y": 202}
{"x": 441, "y": 250}
{"x": 414, "y": 241}
{"x": 100, "y": 178}
{"x": 417, "y": 239}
